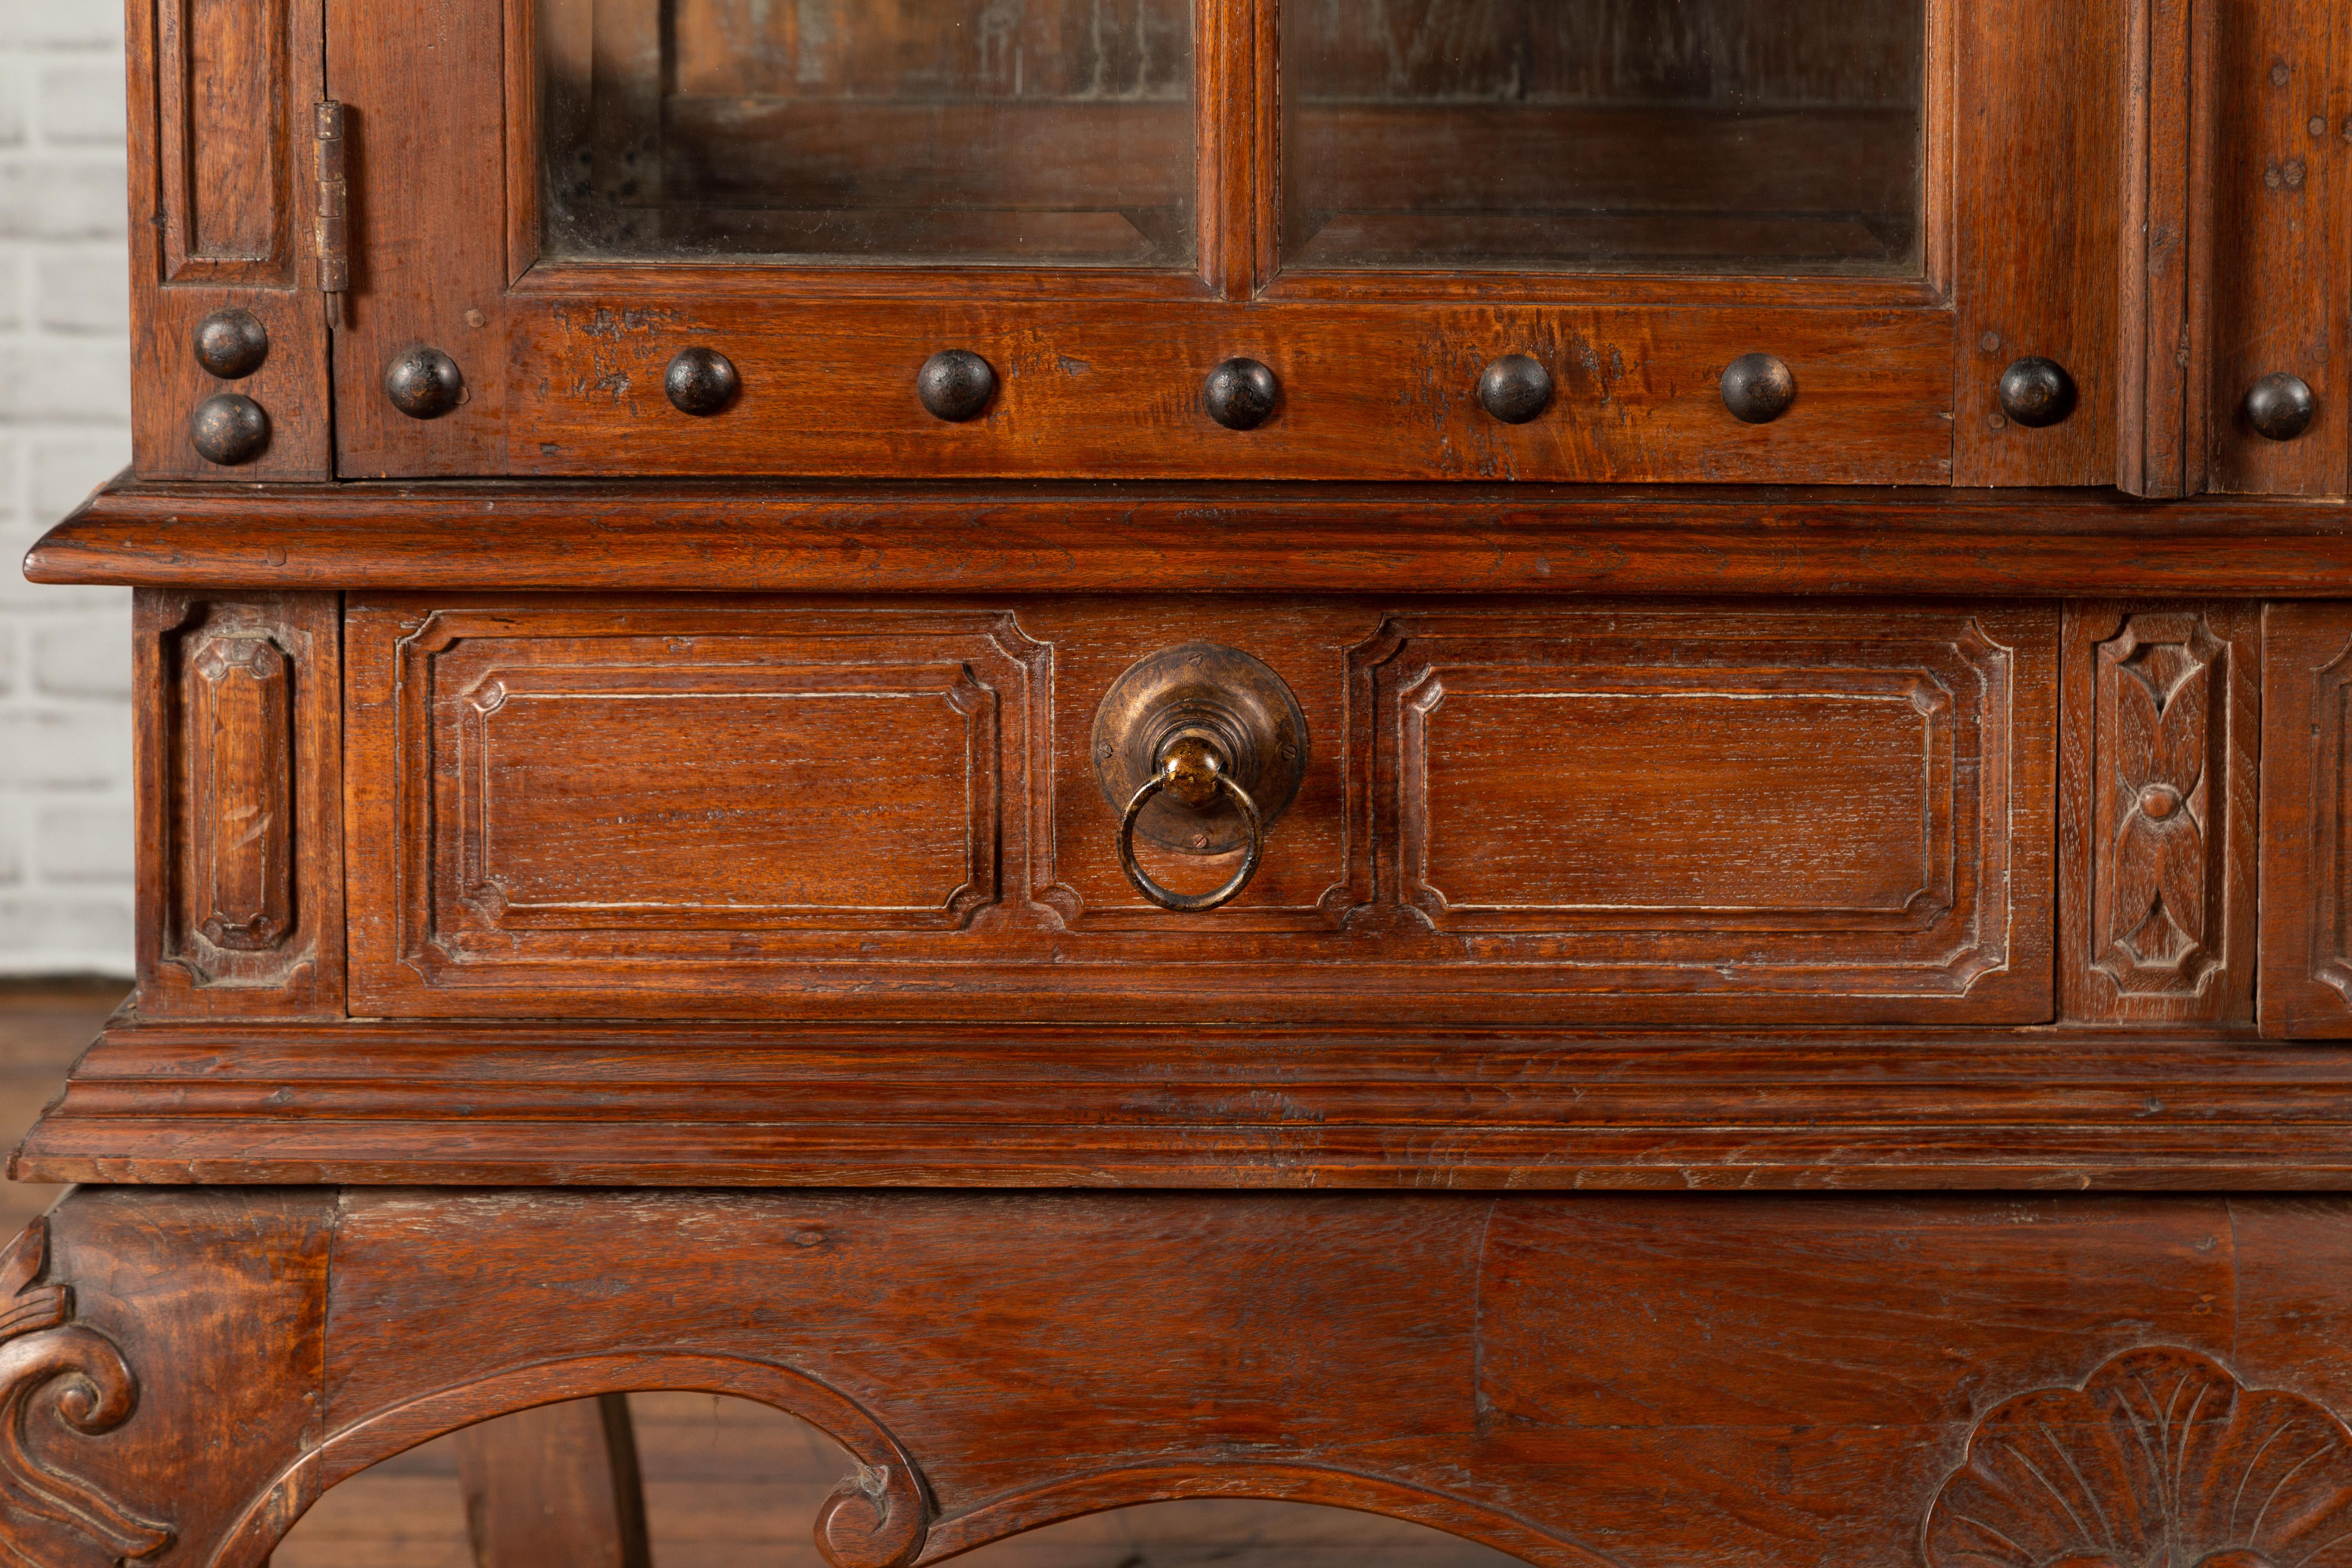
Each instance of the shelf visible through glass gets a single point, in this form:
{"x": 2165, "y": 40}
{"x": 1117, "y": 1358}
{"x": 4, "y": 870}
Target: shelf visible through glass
{"x": 1735, "y": 136}
{"x": 868, "y": 131}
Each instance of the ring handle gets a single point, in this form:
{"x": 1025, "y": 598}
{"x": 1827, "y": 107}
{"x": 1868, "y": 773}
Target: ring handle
{"x": 1189, "y": 903}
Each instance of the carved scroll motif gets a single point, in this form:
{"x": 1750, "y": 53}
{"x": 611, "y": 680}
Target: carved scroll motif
{"x": 2162, "y": 684}
{"x": 55, "y": 1373}
{"x": 2161, "y": 1459}
{"x": 876, "y": 1518}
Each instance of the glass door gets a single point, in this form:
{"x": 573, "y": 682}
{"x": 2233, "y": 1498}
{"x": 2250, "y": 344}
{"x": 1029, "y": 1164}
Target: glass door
{"x": 1096, "y": 213}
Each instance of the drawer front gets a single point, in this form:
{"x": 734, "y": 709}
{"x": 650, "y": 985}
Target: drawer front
{"x": 1508, "y": 813}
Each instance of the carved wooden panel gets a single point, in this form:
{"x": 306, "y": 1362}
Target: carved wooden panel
{"x": 50, "y": 1513}
{"x": 1580, "y": 1380}
{"x": 228, "y": 140}
{"x": 2157, "y": 905}
{"x": 238, "y": 699}
{"x": 576, "y": 793}
{"x": 768, "y": 808}
{"x": 2306, "y": 796}
{"x": 1727, "y": 800}
{"x": 240, "y": 859}
{"x": 2162, "y": 1456}
{"x": 191, "y": 1365}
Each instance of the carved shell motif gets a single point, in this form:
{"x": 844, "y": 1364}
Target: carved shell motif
{"x": 2162, "y": 1460}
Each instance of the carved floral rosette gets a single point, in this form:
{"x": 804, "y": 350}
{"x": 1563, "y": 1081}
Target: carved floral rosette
{"x": 56, "y": 1375}
{"x": 2161, "y": 1459}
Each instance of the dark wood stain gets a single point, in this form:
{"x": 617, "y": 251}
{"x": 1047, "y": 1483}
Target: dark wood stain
{"x": 627, "y": 899}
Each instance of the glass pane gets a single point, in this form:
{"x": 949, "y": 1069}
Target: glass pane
{"x": 1768, "y": 136}
{"x": 1018, "y": 131}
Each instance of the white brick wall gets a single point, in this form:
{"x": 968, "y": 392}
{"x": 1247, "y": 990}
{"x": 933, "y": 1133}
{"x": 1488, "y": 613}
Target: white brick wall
{"x": 65, "y": 402}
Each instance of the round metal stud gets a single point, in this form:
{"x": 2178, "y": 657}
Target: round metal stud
{"x": 1515, "y": 388}
{"x": 232, "y": 343}
{"x": 955, "y": 384}
{"x": 1240, "y": 393}
{"x": 2280, "y": 407}
{"x": 1757, "y": 388}
{"x": 702, "y": 381}
{"x": 423, "y": 382}
{"x": 2036, "y": 392}
{"x": 228, "y": 428}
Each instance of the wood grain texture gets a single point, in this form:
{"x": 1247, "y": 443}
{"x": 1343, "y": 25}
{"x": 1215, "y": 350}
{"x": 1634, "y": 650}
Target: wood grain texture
{"x": 594, "y": 806}
{"x": 228, "y": 139}
{"x": 1369, "y": 392}
{"x": 882, "y": 539}
{"x": 2037, "y": 173}
{"x": 555, "y": 1486}
{"x": 2283, "y": 207}
{"x": 2306, "y": 938}
{"x": 79, "y": 1379}
{"x": 238, "y": 714}
{"x": 239, "y": 756}
{"x": 1653, "y": 784}
{"x": 219, "y": 96}
{"x": 425, "y": 99}
{"x": 1573, "y": 1380}
{"x": 2166, "y": 231}
{"x": 2160, "y": 1450}
{"x": 1197, "y": 1106}
{"x": 2158, "y": 773}
{"x": 218, "y": 1303}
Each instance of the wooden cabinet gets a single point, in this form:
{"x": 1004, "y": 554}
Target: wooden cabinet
{"x": 1511, "y": 595}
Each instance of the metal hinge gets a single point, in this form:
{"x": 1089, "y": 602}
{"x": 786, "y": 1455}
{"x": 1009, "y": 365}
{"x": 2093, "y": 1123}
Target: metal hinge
{"x": 332, "y": 231}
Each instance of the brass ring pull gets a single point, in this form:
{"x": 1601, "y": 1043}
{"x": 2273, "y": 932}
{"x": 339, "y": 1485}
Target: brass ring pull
{"x": 1197, "y": 749}
{"x": 1191, "y": 903}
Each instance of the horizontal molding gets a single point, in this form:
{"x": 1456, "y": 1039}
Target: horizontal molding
{"x": 754, "y": 1106}
{"x": 1183, "y": 537}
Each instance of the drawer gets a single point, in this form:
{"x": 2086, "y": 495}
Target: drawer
{"x": 1505, "y": 812}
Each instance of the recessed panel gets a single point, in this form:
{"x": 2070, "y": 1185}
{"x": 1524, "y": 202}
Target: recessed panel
{"x": 615, "y": 799}
{"x": 1660, "y": 799}
{"x": 1849, "y": 808}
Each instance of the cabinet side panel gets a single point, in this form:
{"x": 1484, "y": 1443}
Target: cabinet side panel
{"x": 219, "y": 93}
{"x": 239, "y": 771}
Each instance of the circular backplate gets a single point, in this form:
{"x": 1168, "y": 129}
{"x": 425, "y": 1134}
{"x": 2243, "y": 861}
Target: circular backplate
{"x": 1200, "y": 686}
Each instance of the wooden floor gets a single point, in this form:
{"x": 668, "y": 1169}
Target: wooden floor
{"x": 729, "y": 1484}
{"x": 44, "y": 1026}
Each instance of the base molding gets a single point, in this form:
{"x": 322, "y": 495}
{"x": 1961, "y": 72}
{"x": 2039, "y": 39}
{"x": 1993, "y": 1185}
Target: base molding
{"x": 752, "y": 1105}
